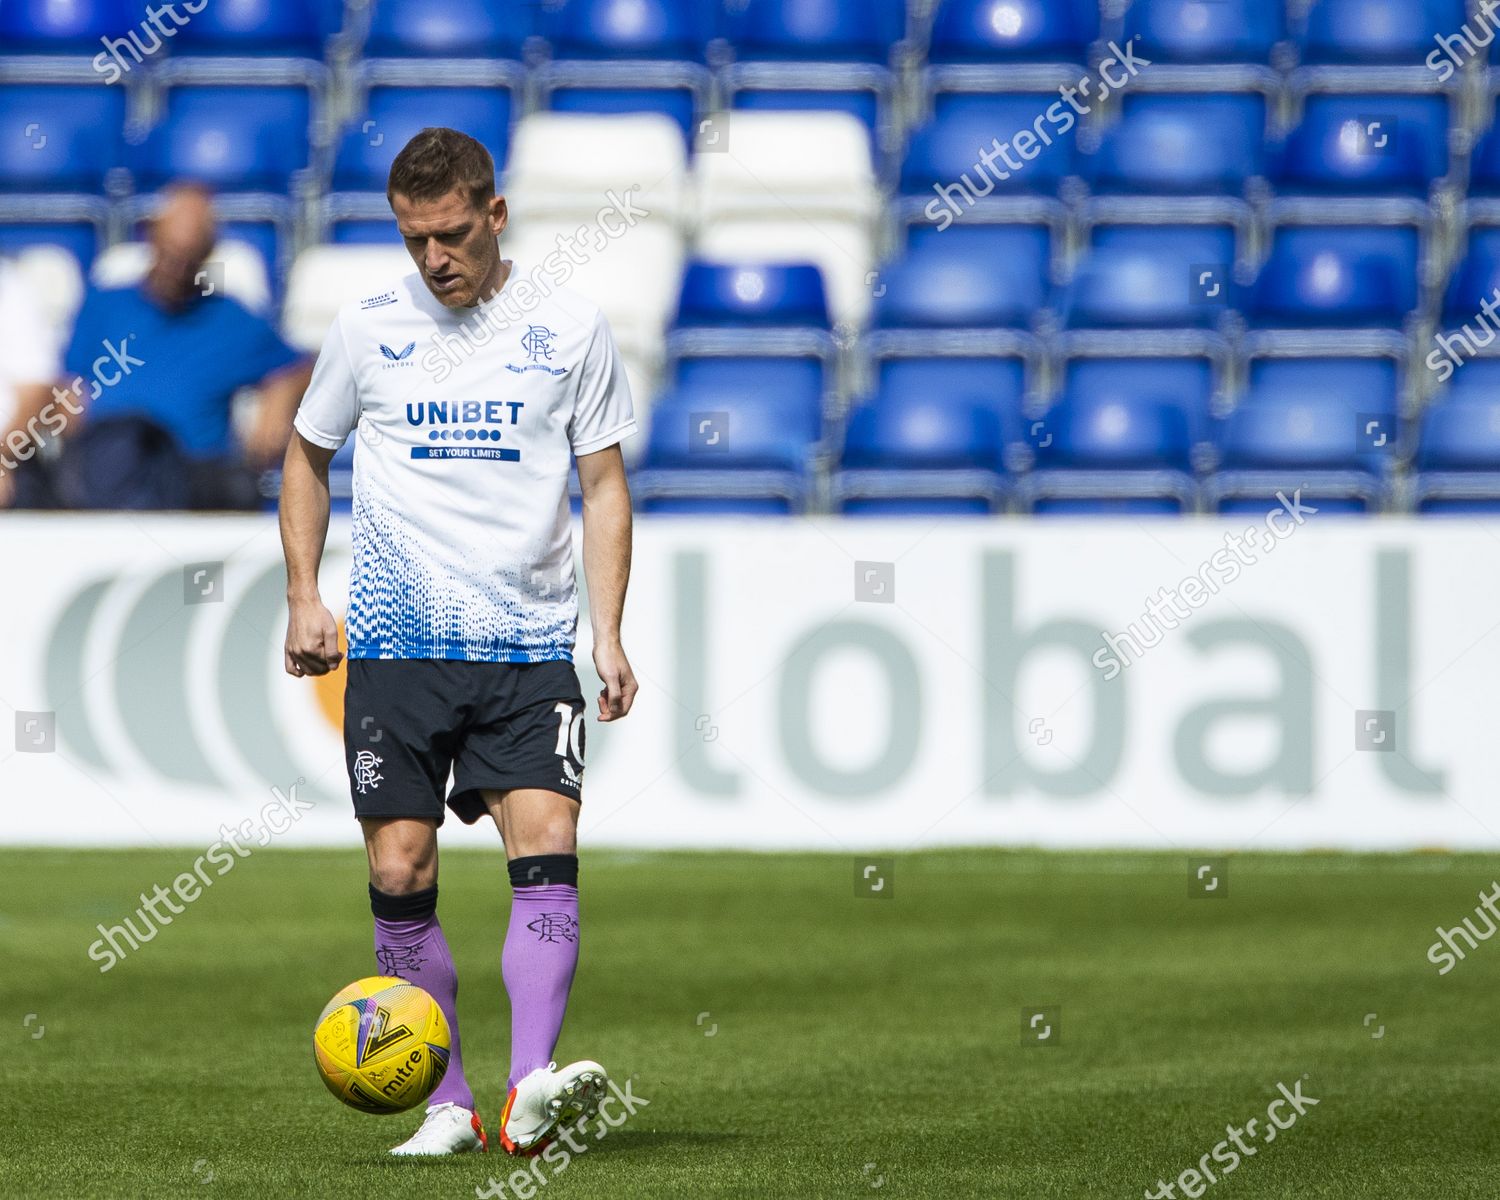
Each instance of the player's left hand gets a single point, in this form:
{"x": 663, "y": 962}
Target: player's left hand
{"x": 619, "y": 682}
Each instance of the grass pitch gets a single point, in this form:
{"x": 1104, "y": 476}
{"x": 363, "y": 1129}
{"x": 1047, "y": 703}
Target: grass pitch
{"x": 792, "y": 1039}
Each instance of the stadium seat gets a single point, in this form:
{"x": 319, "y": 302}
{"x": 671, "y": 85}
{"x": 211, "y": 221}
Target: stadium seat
{"x": 937, "y": 452}
{"x": 80, "y": 239}
{"x": 679, "y": 104}
{"x": 244, "y": 271}
{"x": 797, "y": 380}
{"x": 1097, "y": 447}
{"x": 824, "y": 30}
{"x": 1206, "y": 31}
{"x": 999, "y": 382}
{"x": 865, "y": 106}
{"x": 1478, "y": 380}
{"x": 1285, "y": 443}
{"x": 53, "y": 279}
{"x": 1366, "y": 387}
{"x": 945, "y": 150}
{"x": 707, "y": 445}
{"x": 1366, "y": 144}
{"x": 272, "y": 27}
{"x": 394, "y": 115}
{"x": 61, "y": 26}
{"x": 1183, "y": 145}
{"x": 1473, "y": 282}
{"x": 713, "y": 506}
{"x": 970, "y": 277}
{"x": 455, "y": 29}
{"x": 564, "y": 165}
{"x": 1106, "y": 506}
{"x": 324, "y": 278}
{"x": 246, "y": 139}
{"x": 778, "y": 187}
{"x": 781, "y": 295}
{"x": 1146, "y": 276}
{"x": 992, "y": 31}
{"x": 60, "y": 137}
{"x": 1337, "y": 276}
{"x": 630, "y": 29}
{"x": 1186, "y": 384}
{"x": 1458, "y": 456}
{"x": 1484, "y": 163}
{"x": 1378, "y": 31}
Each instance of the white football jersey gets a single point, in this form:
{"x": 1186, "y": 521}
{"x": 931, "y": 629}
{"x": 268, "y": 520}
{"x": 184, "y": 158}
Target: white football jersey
{"x": 462, "y": 535}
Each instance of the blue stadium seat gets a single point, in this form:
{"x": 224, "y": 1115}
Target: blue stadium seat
{"x": 290, "y": 29}
{"x": 1484, "y": 164}
{"x": 714, "y": 506}
{"x": 1106, "y": 506}
{"x": 1458, "y": 457}
{"x": 679, "y": 103}
{"x": 798, "y": 380}
{"x": 1478, "y": 380}
{"x": 1107, "y": 447}
{"x": 1183, "y": 145}
{"x": 1338, "y": 276}
{"x": 997, "y": 382}
{"x": 970, "y": 276}
{"x": 716, "y": 294}
{"x": 1153, "y": 277}
{"x": 708, "y": 444}
{"x": 394, "y": 115}
{"x": 1206, "y": 31}
{"x": 989, "y": 31}
{"x": 632, "y": 29}
{"x": 924, "y": 450}
{"x": 251, "y": 139}
{"x": 474, "y": 29}
{"x": 1186, "y": 384}
{"x": 945, "y": 149}
{"x": 1460, "y": 435}
{"x": 1378, "y": 31}
{"x": 62, "y": 26}
{"x": 81, "y": 239}
{"x": 1473, "y": 281}
{"x": 1289, "y": 442}
{"x": 1364, "y": 386}
{"x": 59, "y": 138}
{"x": 364, "y": 231}
{"x": 1259, "y": 506}
{"x": 823, "y": 30}
{"x": 1366, "y": 144}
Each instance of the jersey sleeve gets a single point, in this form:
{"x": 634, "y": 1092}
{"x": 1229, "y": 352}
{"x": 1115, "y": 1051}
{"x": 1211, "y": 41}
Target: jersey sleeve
{"x": 330, "y": 408}
{"x": 602, "y": 413}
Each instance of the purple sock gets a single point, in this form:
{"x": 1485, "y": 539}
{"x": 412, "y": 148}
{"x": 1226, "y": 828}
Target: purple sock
{"x": 541, "y": 953}
{"x": 417, "y": 951}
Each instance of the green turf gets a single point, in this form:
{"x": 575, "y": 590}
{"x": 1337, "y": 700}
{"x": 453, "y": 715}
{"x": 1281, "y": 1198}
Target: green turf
{"x": 859, "y": 1046}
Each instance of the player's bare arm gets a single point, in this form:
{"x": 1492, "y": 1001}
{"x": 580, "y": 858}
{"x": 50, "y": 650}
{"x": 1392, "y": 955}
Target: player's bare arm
{"x": 312, "y": 635}
{"x": 606, "y": 567}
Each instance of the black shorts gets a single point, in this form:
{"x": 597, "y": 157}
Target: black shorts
{"x": 497, "y": 726}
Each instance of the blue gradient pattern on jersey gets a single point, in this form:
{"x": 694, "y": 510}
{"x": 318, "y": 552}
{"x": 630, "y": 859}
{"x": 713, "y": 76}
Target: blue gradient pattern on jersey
{"x": 400, "y": 606}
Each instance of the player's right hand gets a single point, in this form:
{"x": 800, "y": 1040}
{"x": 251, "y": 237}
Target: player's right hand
{"x": 312, "y": 639}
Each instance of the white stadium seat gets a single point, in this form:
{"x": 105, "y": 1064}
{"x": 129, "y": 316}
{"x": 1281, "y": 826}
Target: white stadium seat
{"x": 244, "y": 270}
{"x": 565, "y": 164}
{"x": 51, "y": 275}
{"x": 792, "y": 186}
{"x": 325, "y": 278}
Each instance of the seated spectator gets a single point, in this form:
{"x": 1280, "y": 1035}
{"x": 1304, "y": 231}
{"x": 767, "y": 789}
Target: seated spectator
{"x": 27, "y": 369}
{"x": 154, "y": 368}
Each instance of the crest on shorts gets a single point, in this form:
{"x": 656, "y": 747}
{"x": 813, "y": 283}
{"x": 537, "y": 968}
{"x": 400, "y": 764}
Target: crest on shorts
{"x": 366, "y": 777}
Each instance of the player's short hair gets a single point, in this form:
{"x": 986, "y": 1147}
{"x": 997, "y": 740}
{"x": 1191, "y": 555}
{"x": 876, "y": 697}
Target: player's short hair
{"x": 438, "y": 160}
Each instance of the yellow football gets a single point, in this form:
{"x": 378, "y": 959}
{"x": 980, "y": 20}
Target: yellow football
{"x": 381, "y": 1045}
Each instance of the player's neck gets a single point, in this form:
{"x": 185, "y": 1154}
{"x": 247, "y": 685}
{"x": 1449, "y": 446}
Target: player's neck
{"x": 497, "y": 280}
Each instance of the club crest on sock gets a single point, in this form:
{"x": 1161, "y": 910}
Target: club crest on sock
{"x": 554, "y": 927}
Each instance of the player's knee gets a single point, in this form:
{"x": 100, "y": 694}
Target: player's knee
{"x": 398, "y": 875}
{"x": 555, "y": 835}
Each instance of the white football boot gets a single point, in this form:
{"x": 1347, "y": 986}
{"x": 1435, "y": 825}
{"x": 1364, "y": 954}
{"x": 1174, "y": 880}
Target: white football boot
{"x": 448, "y": 1129}
{"x": 547, "y": 1099}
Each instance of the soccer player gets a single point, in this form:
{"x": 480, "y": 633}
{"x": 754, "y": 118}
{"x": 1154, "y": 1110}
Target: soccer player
{"x": 462, "y": 605}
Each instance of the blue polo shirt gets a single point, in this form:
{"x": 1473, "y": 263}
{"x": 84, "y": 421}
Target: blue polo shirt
{"x": 180, "y": 369}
